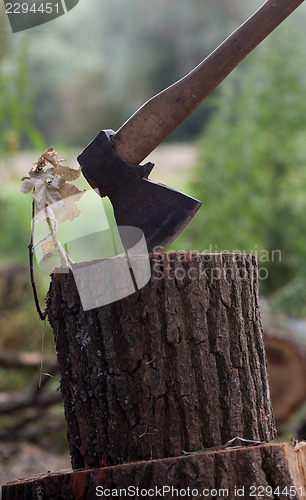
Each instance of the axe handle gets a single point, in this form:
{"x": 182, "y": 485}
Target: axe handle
{"x": 159, "y": 116}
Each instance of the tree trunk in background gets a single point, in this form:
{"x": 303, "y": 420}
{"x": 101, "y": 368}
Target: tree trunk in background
{"x": 286, "y": 358}
{"x": 178, "y": 365}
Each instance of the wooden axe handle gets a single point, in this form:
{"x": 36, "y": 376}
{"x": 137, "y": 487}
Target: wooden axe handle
{"x": 159, "y": 116}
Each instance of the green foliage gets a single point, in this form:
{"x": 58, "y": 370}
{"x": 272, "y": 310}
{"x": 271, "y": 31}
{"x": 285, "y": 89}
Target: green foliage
{"x": 251, "y": 171}
{"x": 102, "y": 61}
{"x": 291, "y": 298}
{"x": 93, "y": 67}
{"x": 15, "y": 224}
{"x": 17, "y": 128}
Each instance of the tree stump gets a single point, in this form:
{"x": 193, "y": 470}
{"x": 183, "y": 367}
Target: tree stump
{"x": 177, "y": 366}
{"x": 263, "y": 472}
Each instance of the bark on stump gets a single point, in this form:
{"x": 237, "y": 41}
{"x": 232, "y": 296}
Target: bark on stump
{"x": 178, "y": 365}
{"x": 263, "y": 472}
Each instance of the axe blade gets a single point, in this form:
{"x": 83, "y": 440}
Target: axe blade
{"x": 159, "y": 211}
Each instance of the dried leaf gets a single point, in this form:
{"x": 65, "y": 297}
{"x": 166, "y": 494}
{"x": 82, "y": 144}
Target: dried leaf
{"x": 67, "y": 173}
{"x": 55, "y": 201}
{"x": 68, "y": 190}
{"x": 47, "y": 212}
{"x": 68, "y": 210}
{"x": 47, "y": 248}
{"x": 44, "y": 195}
{"x": 50, "y": 156}
{"x": 49, "y": 186}
{"x": 56, "y": 182}
{"x": 27, "y": 185}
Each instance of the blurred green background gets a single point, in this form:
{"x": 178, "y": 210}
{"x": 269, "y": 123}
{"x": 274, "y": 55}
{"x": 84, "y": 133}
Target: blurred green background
{"x": 63, "y": 82}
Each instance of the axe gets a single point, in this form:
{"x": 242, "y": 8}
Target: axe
{"x": 111, "y": 162}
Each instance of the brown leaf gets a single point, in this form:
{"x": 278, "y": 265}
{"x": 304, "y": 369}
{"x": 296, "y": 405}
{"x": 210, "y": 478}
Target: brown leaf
{"x": 67, "y": 173}
{"x": 67, "y": 210}
{"x": 27, "y": 185}
{"x": 70, "y": 190}
{"x": 45, "y": 195}
{"x": 48, "y": 246}
{"x": 47, "y": 249}
{"x": 51, "y": 156}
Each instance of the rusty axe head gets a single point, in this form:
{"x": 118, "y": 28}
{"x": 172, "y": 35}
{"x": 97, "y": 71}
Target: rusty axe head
{"x": 111, "y": 161}
{"x": 159, "y": 211}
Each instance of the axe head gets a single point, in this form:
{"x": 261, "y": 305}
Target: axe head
{"x": 159, "y": 211}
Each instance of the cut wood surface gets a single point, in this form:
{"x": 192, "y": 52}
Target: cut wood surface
{"x": 178, "y": 365}
{"x": 286, "y": 358}
{"x": 262, "y": 472}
